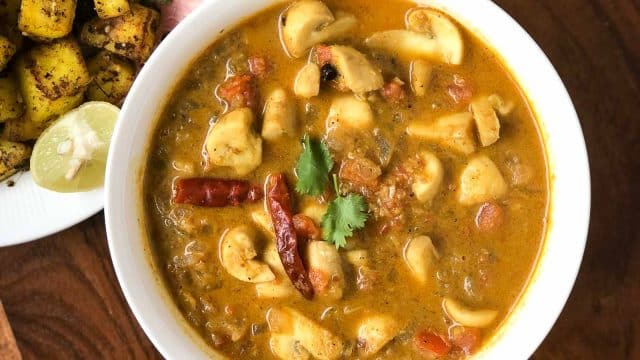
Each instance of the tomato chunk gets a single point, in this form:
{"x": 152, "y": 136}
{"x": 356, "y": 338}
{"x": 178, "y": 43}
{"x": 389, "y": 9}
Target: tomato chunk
{"x": 466, "y": 338}
{"x": 490, "y": 217}
{"x": 240, "y": 91}
{"x": 430, "y": 343}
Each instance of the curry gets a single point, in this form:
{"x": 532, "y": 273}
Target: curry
{"x": 341, "y": 179}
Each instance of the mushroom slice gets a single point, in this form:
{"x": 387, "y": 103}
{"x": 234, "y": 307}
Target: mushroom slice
{"x": 419, "y": 255}
{"x": 285, "y": 347}
{"x": 481, "y": 181}
{"x": 503, "y": 108}
{"x": 486, "y": 120}
{"x": 233, "y": 143}
{"x": 237, "y": 255}
{"x": 261, "y": 218}
{"x": 427, "y": 180}
{"x": 325, "y": 270}
{"x": 355, "y": 71}
{"x": 312, "y": 208}
{"x": 310, "y": 22}
{"x": 375, "y": 332}
{"x": 467, "y": 317}
{"x": 454, "y": 132}
{"x": 279, "y": 117}
{"x": 440, "y": 27}
{"x": 349, "y": 111}
{"x": 420, "y": 74}
{"x": 357, "y": 257}
{"x": 307, "y": 83}
{"x": 318, "y": 341}
{"x": 431, "y": 35}
{"x": 281, "y": 287}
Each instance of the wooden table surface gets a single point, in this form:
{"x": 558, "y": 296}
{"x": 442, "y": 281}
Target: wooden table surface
{"x": 63, "y": 301}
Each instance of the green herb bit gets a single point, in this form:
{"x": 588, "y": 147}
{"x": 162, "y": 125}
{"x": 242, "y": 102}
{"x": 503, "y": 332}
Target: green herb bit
{"x": 313, "y": 167}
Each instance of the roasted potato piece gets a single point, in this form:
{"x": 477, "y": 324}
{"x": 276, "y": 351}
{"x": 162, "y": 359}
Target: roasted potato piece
{"x": 47, "y": 19}
{"x": 52, "y": 78}
{"x": 10, "y": 100}
{"x": 9, "y": 10}
{"x": 132, "y": 35}
{"x": 7, "y": 50}
{"x": 453, "y": 132}
{"x": 112, "y": 78}
{"x": 23, "y": 129}
{"x": 107, "y": 9}
{"x": 12, "y": 156}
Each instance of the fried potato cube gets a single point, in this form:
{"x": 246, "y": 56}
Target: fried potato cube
{"x": 7, "y": 50}
{"x": 12, "y": 156}
{"x": 112, "y": 78}
{"x": 9, "y": 10}
{"x": 132, "y": 35}
{"x": 52, "y": 78}
{"x": 107, "y": 9}
{"x": 23, "y": 129}
{"x": 47, "y": 19}
{"x": 11, "y": 106}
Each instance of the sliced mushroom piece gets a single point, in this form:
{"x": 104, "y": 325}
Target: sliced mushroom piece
{"x": 238, "y": 253}
{"x": 431, "y": 35}
{"x": 502, "y": 107}
{"x": 279, "y": 117}
{"x": 467, "y": 317}
{"x": 428, "y": 179}
{"x": 481, "y": 181}
{"x": 307, "y": 83}
{"x": 312, "y": 208}
{"x": 440, "y": 27}
{"x": 310, "y": 22}
{"x": 355, "y": 71}
{"x": 281, "y": 286}
{"x": 275, "y": 289}
{"x": 487, "y": 122}
{"x": 285, "y": 347}
{"x": 375, "y": 332}
{"x": 261, "y": 218}
{"x": 325, "y": 270}
{"x": 357, "y": 257}
{"x": 233, "y": 143}
{"x": 421, "y": 72}
{"x": 420, "y": 255}
{"x": 318, "y": 341}
{"x": 454, "y": 132}
{"x": 349, "y": 111}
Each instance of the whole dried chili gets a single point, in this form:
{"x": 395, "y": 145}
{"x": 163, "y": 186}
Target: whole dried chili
{"x": 212, "y": 192}
{"x": 280, "y": 207}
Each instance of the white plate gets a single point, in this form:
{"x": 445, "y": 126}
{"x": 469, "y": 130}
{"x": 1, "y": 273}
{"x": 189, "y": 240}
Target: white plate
{"x": 29, "y": 212}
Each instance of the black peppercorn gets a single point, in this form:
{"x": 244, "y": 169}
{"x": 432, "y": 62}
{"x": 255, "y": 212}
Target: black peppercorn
{"x": 328, "y": 72}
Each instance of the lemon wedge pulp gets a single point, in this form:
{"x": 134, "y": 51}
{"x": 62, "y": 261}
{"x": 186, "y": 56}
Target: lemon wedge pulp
{"x": 71, "y": 154}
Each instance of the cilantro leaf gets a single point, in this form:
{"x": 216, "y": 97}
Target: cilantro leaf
{"x": 344, "y": 215}
{"x": 313, "y": 167}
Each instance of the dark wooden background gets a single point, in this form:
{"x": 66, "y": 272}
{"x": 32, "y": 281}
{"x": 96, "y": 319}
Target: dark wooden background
{"x": 63, "y": 300}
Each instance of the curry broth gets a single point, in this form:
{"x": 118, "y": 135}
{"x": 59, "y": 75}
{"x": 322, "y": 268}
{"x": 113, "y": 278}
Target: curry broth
{"x": 483, "y": 270}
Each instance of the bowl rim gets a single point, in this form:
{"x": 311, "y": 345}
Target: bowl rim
{"x": 558, "y": 263}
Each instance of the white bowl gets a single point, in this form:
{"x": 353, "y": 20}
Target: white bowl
{"x": 544, "y": 298}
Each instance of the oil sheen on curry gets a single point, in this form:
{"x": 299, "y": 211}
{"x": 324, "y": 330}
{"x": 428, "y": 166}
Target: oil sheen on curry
{"x": 343, "y": 179}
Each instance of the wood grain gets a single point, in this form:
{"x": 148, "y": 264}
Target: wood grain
{"x": 8, "y": 347}
{"x": 64, "y": 302}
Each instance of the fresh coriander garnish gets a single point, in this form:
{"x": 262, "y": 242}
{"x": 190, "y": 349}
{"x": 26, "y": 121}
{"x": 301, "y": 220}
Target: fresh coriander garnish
{"x": 344, "y": 215}
{"x": 313, "y": 167}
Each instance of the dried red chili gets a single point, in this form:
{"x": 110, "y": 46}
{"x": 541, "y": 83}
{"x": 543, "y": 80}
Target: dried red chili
{"x": 280, "y": 207}
{"x": 211, "y": 192}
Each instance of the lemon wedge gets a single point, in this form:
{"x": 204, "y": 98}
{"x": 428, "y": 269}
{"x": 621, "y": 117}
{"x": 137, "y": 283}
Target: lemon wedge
{"x": 71, "y": 154}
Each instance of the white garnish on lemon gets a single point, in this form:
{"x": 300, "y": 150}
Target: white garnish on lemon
{"x": 70, "y": 156}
